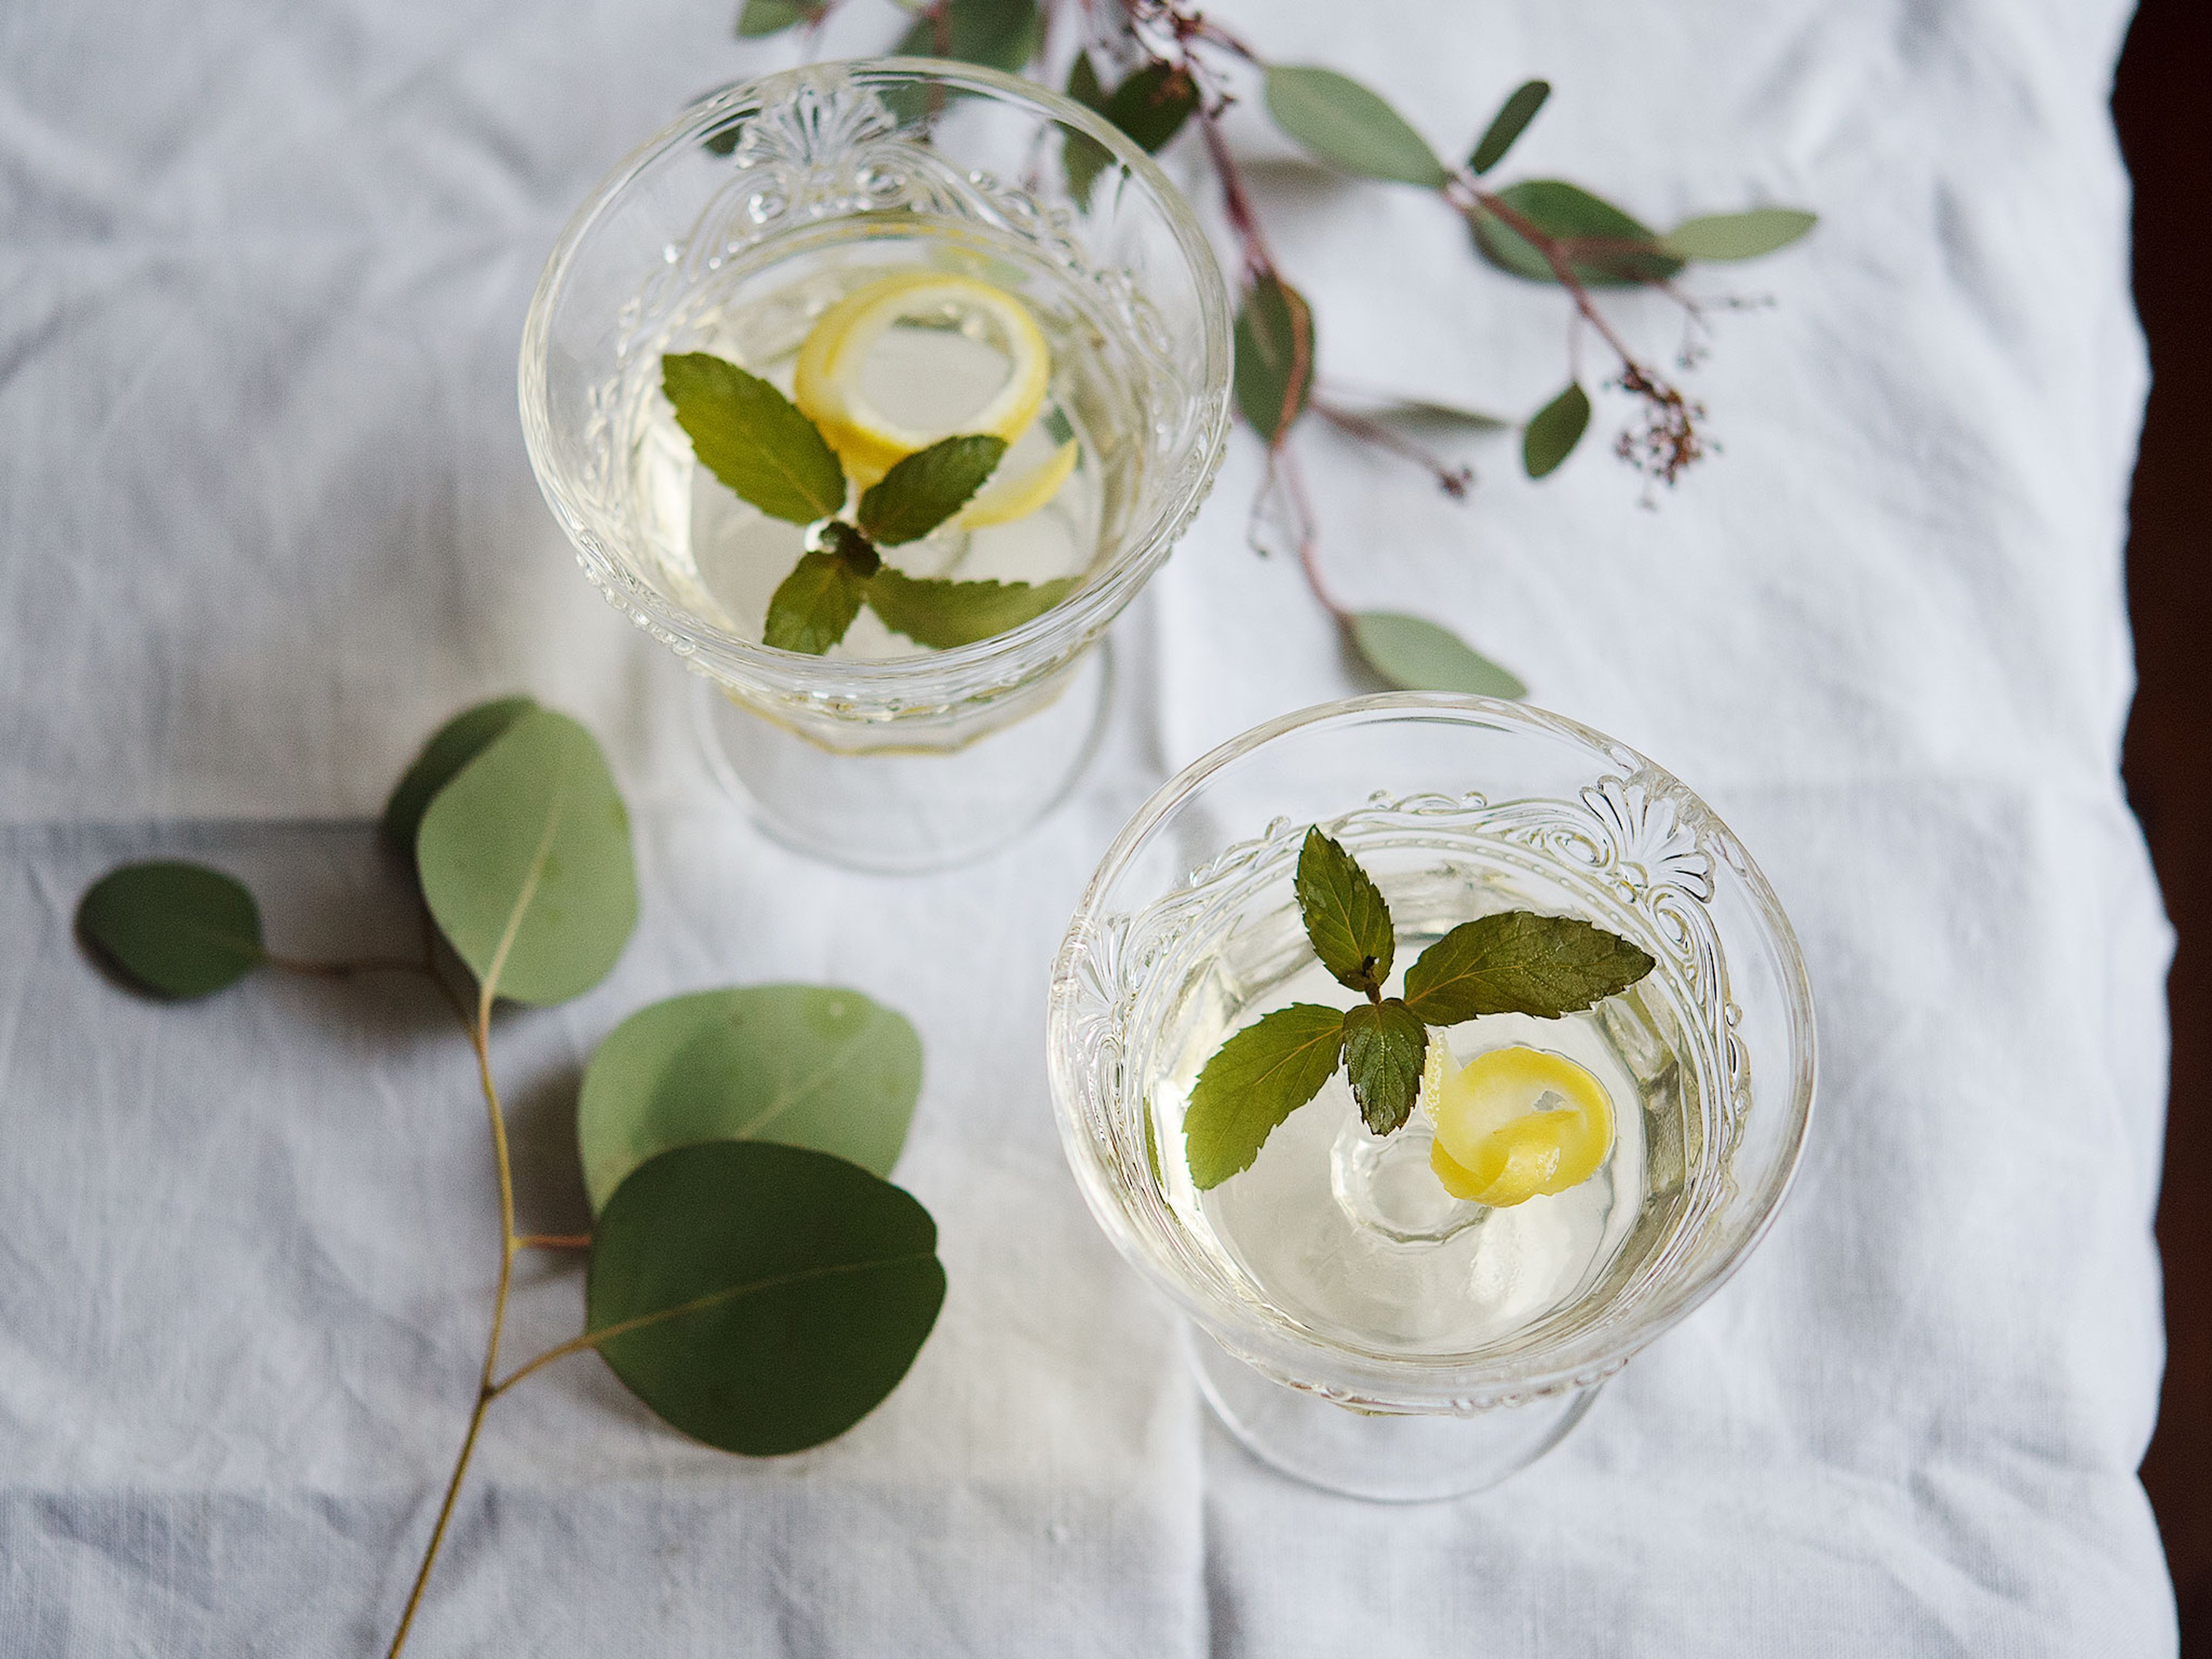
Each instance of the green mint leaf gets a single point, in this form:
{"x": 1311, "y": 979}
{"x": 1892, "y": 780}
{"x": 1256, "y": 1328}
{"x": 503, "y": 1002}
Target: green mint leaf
{"x": 812, "y": 607}
{"x": 1000, "y": 34}
{"x": 1513, "y": 115}
{"x": 928, "y": 487}
{"x": 1345, "y": 914}
{"x": 1384, "y": 1044}
{"x": 944, "y": 614}
{"x": 1737, "y": 235}
{"x": 761, "y": 1299}
{"x": 1350, "y": 127}
{"x": 1623, "y": 252}
{"x": 1255, "y": 1080}
{"x": 526, "y": 862}
{"x": 454, "y": 745}
{"x": 760, "y": 17}
{"x": 812, "y": 1066}
{"x": 1152, "y": 104}
{"x": 753, "y": 438}
{"x": 173, "y": 930}
{"x": 1415, "y": 654}
{"x": 1520, "y": 962}
{"x": 1553, "y": 431}
{"x": 1274, "y": 357}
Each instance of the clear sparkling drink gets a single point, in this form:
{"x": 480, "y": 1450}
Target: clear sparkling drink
{"x": 1349, "y": 1234}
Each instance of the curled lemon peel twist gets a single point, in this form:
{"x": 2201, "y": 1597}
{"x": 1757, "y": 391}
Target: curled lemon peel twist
{"x": 1493, "y": 1144}
{"x": 826, "y": 386}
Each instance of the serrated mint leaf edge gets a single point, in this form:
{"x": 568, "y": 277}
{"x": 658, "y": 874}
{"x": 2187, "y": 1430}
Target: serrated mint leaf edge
{"x": 1338, "y": 898}
{"x": 928, "y": 487}
{"x": 1402, "y": 1038}
{"x": 817, "y": 494}
{"x": 786, "y": 598}
{"x": 1325, "y": 1038}
{"x": 1430, "y": 996}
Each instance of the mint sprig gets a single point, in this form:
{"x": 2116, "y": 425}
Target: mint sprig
{"x": 1515, "y": 962}
{"x": 758, "y": 442}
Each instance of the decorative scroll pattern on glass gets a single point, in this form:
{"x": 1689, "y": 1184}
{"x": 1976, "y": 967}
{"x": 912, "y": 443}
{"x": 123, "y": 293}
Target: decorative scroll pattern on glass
{"x": 816, "y": 144}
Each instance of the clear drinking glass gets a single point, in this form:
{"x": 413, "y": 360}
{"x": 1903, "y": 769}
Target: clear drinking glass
{"x": 1355, "y": 1328}
{"x": 907, "y": 757}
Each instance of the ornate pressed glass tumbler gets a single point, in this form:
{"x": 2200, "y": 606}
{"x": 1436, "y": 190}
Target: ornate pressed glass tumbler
{"x": 1351, "y": 1321}
{"x": 735, "y": 232}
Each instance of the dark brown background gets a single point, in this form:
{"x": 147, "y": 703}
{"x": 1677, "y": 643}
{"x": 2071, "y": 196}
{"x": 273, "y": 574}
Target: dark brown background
{"x": 2165, "y": 114}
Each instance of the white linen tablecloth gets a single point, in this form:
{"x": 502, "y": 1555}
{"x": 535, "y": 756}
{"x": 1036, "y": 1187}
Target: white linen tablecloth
{"x": 265, "y": 518}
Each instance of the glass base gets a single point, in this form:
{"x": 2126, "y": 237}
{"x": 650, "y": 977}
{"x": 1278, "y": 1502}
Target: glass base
{"x": 1384, "y": 1457}
{"x": 904, "y": 811}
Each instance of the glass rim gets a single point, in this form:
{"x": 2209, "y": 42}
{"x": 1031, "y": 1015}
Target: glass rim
{"x": 1380, "y": 1378}
{"x": 1079, "y": 618}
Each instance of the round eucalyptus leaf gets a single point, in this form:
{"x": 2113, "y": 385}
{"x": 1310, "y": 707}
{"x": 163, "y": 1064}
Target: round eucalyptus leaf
{"x": 761, "y": 1298}
{"x": 454, "y": 745}
{"x": 175, "y": 930}
{"x": 802, "y": 1065}
{"x": 1620, "y": 250}
{"x": 1416, "y": 654}
{"x": 1349, "y": 126}
{"x": 525, "y": 861}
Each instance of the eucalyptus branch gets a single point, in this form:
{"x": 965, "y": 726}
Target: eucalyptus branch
{"x": 480, "y": 1041}
{"x": 424, "y": 967}
{"x": 1189, "y": 68}
{"x": 1235, "y": 201}
{"x": 1454, "y": 481}
{"x": 508, "y": 817}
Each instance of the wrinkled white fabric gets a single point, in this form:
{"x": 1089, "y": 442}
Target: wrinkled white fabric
{"x": 265, "y": 518}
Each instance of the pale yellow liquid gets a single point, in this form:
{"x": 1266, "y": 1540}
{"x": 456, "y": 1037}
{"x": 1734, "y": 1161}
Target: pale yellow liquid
{"x": 1349, "y": 1234}
{"x": 927, "y": 374}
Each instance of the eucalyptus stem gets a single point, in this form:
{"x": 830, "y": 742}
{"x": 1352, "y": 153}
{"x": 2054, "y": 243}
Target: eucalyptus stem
{"x": 1282, "y": 466}
{"x": 345, "y": 968}
{"x": 487, "y": 1389}
{"x": 1235, "y": 203}
{"x": 438, "y": 1533}
{"x": 1454, "y": 481}
{"x": 1464, "y": 193}
{"x": 423, "y": 967}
